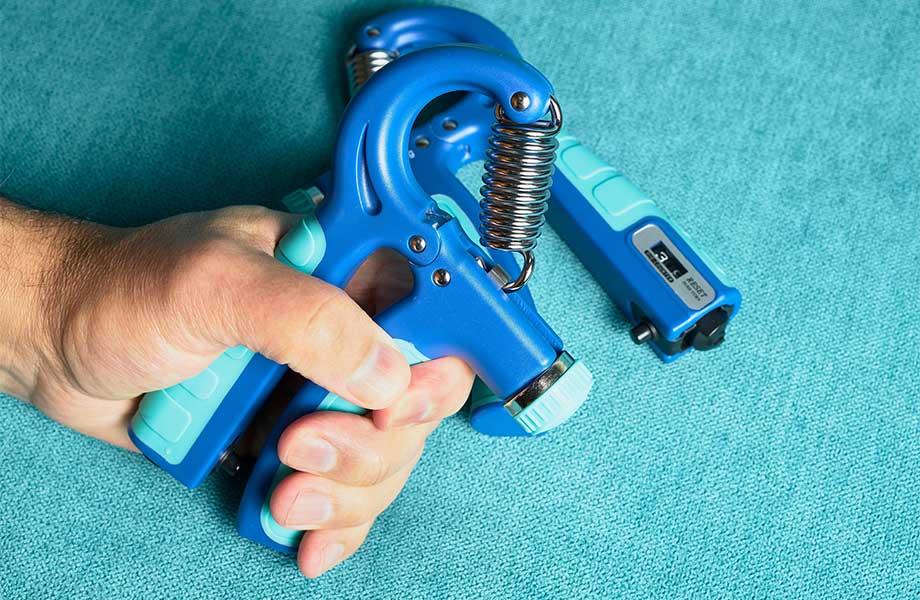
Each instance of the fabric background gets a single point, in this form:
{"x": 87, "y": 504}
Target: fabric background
{"x": 783, "y": 135}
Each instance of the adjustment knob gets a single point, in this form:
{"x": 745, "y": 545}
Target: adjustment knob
{"x": 552, "y": 397}
{"x": 709, "y": 331}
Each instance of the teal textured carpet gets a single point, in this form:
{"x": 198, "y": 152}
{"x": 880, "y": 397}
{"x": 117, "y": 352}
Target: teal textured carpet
{"x": 784, "y": 136}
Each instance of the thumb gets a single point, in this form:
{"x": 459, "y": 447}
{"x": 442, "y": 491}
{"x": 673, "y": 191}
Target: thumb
{"x": 313, "y": 327}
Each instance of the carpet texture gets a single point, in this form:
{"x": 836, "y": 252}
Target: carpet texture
{"x": 784, "y": 136}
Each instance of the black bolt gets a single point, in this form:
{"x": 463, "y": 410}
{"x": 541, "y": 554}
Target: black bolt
{"x": 643, "y": 332}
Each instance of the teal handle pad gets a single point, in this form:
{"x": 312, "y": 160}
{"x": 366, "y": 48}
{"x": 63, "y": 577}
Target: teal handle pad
{"x": 169, "y": 421}
{"x": 613, "y": 196}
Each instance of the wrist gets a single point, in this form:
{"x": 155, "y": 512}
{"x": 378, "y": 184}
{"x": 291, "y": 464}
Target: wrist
{"x": 36, "y": 248}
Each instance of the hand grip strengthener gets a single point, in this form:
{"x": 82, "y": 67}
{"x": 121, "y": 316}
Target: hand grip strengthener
{"x": 458, "y": 306}
{"x": 675, "y": 297}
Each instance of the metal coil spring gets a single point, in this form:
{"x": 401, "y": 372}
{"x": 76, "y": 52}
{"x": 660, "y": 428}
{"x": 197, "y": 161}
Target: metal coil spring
{"x": 361, "y": 65}
{"x": 519, "y": 170}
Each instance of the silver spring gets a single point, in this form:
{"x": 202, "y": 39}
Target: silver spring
{"x": 517, "y": 179}
{"x": 361, "y": 65}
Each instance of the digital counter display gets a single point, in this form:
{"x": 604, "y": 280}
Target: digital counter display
{"x": 667, "y": 258}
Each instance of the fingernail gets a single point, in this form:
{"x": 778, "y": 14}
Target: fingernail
{"x": 309, "y": 509}
{"x": 332, "y": 553}
{"x": 377, "y": 379}
{"x": 311, "y": 454}
{"x": 411, "y": 411}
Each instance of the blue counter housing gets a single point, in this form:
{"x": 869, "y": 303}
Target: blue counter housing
{"x": 597, "y": 211}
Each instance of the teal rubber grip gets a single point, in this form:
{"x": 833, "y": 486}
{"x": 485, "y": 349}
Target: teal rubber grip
{"x": 613, "y": 196}
{"x": 303, "y": 201}
{"x": 169, "y": 421}
{"x": 304, "y": 246}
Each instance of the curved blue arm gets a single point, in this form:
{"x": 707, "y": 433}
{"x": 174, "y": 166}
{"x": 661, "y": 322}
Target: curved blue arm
{"x": 409, "y": 29}
{"x": 405, "y": 30}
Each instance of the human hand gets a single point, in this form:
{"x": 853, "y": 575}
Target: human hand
{"x": 98, "y": 316}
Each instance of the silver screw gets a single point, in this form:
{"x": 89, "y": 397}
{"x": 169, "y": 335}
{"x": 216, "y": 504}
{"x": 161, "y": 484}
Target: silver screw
{"x": 441, "y": 277}
{"x": 422, "y": 142}
{"x": 449, "y": 124}
{"x": 417, "y": 243}
{"x": 372, "y": 32}
{"x": 520, "y": 101}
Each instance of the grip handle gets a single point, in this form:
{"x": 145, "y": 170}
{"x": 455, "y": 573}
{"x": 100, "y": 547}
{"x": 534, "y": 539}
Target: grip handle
{"x": 613, "y": 197}
{"x": 455, "y": 308}
{"x": 187, "y": 427}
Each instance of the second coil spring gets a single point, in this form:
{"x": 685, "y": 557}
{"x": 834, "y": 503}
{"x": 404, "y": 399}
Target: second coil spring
{"x": 361, "y": 65}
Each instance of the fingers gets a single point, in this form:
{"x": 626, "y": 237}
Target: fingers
{"x": 226, "y": 288}
{"x": 348, "y": 448}
{"x": 311, "y": 326}
{"x": 321, "y": 550}
{"x": 307, "y": 502}
{"x": 357, "y": 451}
{"x": 350, "y": 469}
{"x": 438, "y": 389}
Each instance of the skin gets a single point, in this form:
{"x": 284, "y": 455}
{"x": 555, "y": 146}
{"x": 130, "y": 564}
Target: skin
{"x": 92, "y": 317}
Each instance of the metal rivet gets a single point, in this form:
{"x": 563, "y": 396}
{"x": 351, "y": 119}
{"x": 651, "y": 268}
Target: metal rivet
{"x": 441, "y": 277}
{"x": 417, "y": 243}
{"x": 372, "y": 32}
{"x": 520, "y": 101}
{"x": 422, "y": 141}
{"x": 449, "y": 124}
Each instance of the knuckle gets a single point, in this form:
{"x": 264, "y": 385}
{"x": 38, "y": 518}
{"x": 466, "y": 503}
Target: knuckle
{"x": 331, "y": 319}
{"x": 377, "y": 469}
{"x": 201, "y": 277}
{"x": 436, "y": 380}
{"x": 203, "y": 259}
{"x": 433, "y": 378}
{"x": 255, "y": 226}
{"x": 291, "y": 490}
{"x": 205, "y": 267}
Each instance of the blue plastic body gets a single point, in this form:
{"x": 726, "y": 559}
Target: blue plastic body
{"x": 594, "y": 208}
{"x": 374, "y": 201}
{"x": 408, "y": 29}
